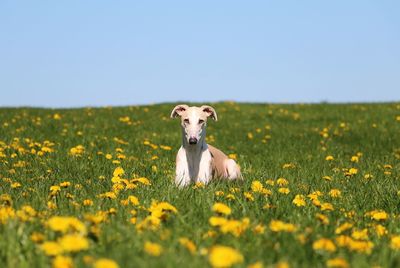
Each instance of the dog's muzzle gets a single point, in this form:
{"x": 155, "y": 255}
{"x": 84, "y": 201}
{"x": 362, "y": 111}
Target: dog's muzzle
{"x": 192, "y": 141}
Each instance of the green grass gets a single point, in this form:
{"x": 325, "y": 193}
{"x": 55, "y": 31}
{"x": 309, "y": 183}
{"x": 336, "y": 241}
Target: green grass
{"x": 292, "y": 134}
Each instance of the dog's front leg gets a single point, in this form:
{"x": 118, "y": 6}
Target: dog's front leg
{"x": 205, "y": 169}
{"x": 182, "y": 176}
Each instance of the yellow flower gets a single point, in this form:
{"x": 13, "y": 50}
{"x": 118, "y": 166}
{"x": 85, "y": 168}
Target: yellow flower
{"x": 395, "y": 242}
{"x": 327, "y": 178}
{"x": 217, "y": 221}
{"x": 282, "y": 264}
{"x": 360, "y": 234}
{"x": 118, "y": 172}
{"x": 6, "y": 213}
{"x": 354, "y": 159}
{"x": 326, "y": 206}
{"x": 299, "y": 200}
{"x": 133, "y": 200}
{"x": 221, "y": 209}
{"x": 235, "y": 227}
{"x": 161, "y": 209}
{"x": 153, "y": 249}
{"x": 258, "y": 264}
{"x": 87, "y": 202}
{"x": 280, "y": 226}
{"x": 105, "y": 263}
{"x": 62, "y": 262}
{"x": 51, "y": 248}
{"x": 324, "y": 244}
{"x": 284, "y": 190}
{"x": 380, "y": 230}
{"x": 352, "y": 171}
{"x": 142, "y": 180}
{"x": 259, "y": 229}
{"x": 256, "y": 186}
{"x": 77, "y": 150}
{"x": 335, "y": 193}
{"x": 248, "y": 196}
{"x": 65, "y": 224}
{"x": 73, "y": 243}
{"x": 323, "y": 218}
{"x": 223, "y": 256}
{"x": 329, "y": 158}
{"x": 378, "y": 215}
{"x": 345, "y": 226}
{"x": 188, "y": 244}
{"x": 282, "y": 182}
{"x": 337, "y": 263}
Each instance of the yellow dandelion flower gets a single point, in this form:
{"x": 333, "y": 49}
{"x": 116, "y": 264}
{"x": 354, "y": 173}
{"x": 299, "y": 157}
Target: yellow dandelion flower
{"x": 324, "y": 244}
{"x": 299, "y": 200}
{"x": 153, "y": 249}
{"x": 256, "y": 186}
{"x": 105, "y": 263}
{"x": 282, "y": 182}
{"x": 329, "y": 158}
{"x": 284, "y": 190}
{"x": 395, "y": 242}
{"x": 73, "y": 243}
{"x": 223, "y": 256}
{"x": 221, "y": 209}
{"x": 280, "y": 226}
{"x": 51, "y": 248}
{"x": 62, "y": 262}
{"x": 188, "y": 244}
{"x": 337, "y": 263}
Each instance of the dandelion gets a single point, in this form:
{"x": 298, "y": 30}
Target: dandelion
{"x": 65, "y": 224}
{"x": 282, "y": 182}
{"x": 248, "y": 196}
{"x": 329, "y": 158}
{"x": 395, "y": 242}
{"x": 345, "y": 226}
{"x": 221, "y": 209}
{"x": 299, "y": 200}
{"x": 280, "y": 226}
{"x": 188, "y": 244}
{"x": 223, "y": 256}
{"x": 337, "y": 263}
{"x": 360, "y": 234}
{"x": 284, "y": 190}
{"x": 73, "y": 243}
{"x": 153, "y": 249}
{"x": 324, "y": 244}
{"x": 256, "y": 186}
{"x": 51, "y": 248}
{"x": 378, "y": 215}
{"x": 335, "y": 193}
{"x": 105, "y": 263}
{"x": 62, "y": 262}
{"x": 327, "y": 206}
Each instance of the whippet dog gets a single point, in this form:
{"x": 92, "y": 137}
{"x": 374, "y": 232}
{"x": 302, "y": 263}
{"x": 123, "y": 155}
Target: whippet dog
{"x": 197, "y": 161}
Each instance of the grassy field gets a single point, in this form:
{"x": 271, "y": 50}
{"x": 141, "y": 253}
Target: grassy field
{"x": 94, "y": 188}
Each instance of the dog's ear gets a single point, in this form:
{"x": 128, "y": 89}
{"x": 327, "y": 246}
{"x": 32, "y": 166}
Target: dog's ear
{"x": 210, "y": 111}
{"x": 178, "y": 110}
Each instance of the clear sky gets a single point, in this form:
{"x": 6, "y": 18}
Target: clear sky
{"x": 94, "y": 52}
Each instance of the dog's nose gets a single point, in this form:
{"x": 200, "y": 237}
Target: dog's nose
{"x": 192, "y": 140}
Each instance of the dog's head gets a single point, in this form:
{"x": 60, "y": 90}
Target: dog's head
{"x": 193, "y": 120}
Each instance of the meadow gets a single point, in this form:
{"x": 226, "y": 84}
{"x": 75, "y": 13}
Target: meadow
{"x": 93, "y": 187}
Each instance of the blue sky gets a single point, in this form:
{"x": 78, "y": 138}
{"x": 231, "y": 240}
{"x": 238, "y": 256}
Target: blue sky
{"x": 93, "y": 52}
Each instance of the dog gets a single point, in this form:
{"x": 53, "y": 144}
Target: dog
{"x": 197, "y": 161}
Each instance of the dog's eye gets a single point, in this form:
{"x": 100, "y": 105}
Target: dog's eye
{"x": 201, "y": 121}
{"x": 186, "y": 121}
